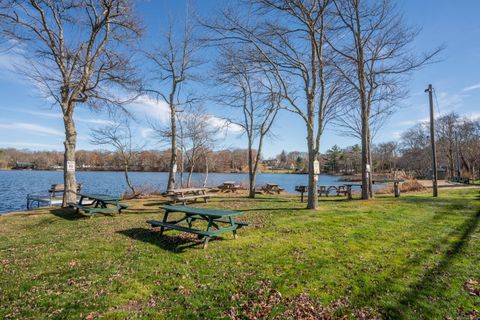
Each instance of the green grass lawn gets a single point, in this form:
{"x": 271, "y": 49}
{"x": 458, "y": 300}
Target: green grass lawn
{"x": 409, "y": 258}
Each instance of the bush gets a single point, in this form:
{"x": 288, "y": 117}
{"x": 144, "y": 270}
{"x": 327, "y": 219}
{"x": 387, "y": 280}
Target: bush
{"x": 411, "y": 185}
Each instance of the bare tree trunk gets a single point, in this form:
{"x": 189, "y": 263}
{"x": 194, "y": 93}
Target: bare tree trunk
{"x": 206, "y": 171}
{"x": 312, "y": 202}
{"x": 173, "y": 157}
{"x": 451, "y": 164}
{"x": 370, "y": 163}
{"x": 127, "y": 179}
{"x": 365, "y": 114}
{"x": 365, "y": 173}
{"x": 251, "y": 171}
{"x": 70, "y": 183}
{"x": 190, "y": 172}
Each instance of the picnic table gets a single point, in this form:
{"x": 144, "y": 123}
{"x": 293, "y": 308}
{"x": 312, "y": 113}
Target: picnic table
{"x": 341, "y": 190}
{"x": 271, "y": 188}
{"x": 396, "y": 185}
{"x": 218, "y": 221}
{"x": 184, "y": 195}
{"x": 228, "y": 186}
{"x": 324, "y": 190}
{"x": 98, "y": 203}
{"x": 349, "y": 189}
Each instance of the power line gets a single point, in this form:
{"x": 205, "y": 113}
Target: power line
{"x": 436, "y": 101}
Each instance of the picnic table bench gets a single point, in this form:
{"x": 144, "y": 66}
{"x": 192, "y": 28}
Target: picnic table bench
{"x": 99, "y": 203}
{"x": 271, "y": 188}
{"x": 460, "y": 180}
{"x": 185, "y": 195}
{"x": 218, "y": 221}
{"x": 228, "y": 186}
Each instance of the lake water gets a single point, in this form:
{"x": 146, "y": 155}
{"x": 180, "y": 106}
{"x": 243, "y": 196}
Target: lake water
{"x": 15, "y": 185}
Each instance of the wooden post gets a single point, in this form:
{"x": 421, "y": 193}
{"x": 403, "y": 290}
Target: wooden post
{"x": 432, "y": 139}
{"x": 396, "y": 189}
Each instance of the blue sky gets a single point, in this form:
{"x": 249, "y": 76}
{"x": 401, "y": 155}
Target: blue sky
{"x": 29, "y": 121}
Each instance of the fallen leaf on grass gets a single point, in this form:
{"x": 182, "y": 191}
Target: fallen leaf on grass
{"x": 472, "y": 286}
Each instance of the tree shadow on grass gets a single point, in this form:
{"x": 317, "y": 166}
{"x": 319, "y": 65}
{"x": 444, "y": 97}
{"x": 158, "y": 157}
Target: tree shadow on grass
{"x": 177, "y": 243}
{"x": 419, "y": 295}
{"x": 272, "y": 209}
{"x": 68, "y": 214}
{"x": 236, "y": 199}
{"x": 157, "y": 203}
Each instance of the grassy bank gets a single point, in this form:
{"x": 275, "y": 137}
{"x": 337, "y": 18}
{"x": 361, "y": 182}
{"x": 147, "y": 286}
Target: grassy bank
{"x": 408, "y": 258}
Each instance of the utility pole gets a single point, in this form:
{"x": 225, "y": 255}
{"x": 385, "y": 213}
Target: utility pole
{"x": 432, "y": 139}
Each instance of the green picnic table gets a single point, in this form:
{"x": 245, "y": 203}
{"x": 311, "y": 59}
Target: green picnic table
{"x": 98, "y": 203}
{"x": 218, "y": 221}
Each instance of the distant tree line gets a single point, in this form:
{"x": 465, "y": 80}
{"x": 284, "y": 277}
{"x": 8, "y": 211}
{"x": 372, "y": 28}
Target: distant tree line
{"x": 228, "y": 160}
{"x": 458, "y": 152}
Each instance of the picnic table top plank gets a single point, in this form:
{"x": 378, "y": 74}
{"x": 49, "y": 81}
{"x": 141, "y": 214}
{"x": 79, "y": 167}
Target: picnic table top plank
{"x": 183, "y": 190}
{"x": 100, "y": 197}
{"x": 387, "y": 180}
{"x": 201, "y": 211}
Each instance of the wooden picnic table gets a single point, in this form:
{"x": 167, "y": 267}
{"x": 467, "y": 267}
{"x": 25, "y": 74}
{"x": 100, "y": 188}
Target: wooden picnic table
{"x": 188, "y": 194}
{"x": 271, "y": 188}
{"x": 98, "y": 203}
{"x": 228, "y": 186}
{"x": 349, "y": 189}
{"x": 340, "y": 190}
{"x": 218, "y": 221}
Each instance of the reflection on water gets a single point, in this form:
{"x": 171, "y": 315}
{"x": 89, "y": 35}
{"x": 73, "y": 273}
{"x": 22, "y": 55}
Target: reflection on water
{"x": 15, "y": 185}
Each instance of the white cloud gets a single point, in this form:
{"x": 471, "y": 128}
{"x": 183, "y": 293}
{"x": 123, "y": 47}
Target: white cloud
{"x": 153, "y": 109}
{"x": 146, "y": 132}
{"x": 55, "y": 115}
{"x": 94, "y": 121}
{"x": 473, "y": 115}
{"x": 471, "y": 88}
{"x": 224, "y": 125}
{"x": 396, "y": 135}
{"x": 32, "y": 128}
{"x": 10, "y": 59}
{"x": 448, "y": 102}
{"x": 58, "y": 115}
{"x": 30, "y": 145}
{"x": 158, "y": 110}
{"x": 413, "y": 122}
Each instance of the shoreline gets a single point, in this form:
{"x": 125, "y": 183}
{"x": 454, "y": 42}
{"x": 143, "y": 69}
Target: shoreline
{"x": 244, "y": 192}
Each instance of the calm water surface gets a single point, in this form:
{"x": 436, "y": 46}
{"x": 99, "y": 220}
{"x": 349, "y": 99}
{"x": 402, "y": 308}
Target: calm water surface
{"x": 15, "y": 185}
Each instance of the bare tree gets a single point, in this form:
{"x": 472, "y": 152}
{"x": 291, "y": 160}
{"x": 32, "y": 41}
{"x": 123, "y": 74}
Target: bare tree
{"x": 119, "y": 136}
{"x": 256, "y": 93}
{"x": 374, "y": 56}
{"x": 415, "y": 150}
{"x": 75, "y": 53}
{"x": 173, "y": 63}
{"x": 469, "y": 146}
{"x": 447, "y": 132}
{"x": 288, "y": 38}
{"x": 198, "y": 137}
